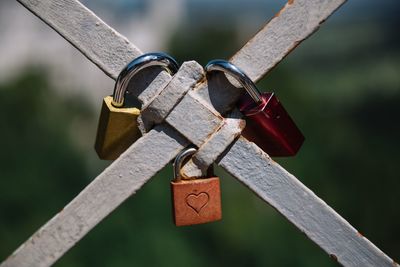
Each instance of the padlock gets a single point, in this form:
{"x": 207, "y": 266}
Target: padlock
{"x": 194, "y": 200}
{"x": 117, "y": 128}
{"x": 268, "y": 124}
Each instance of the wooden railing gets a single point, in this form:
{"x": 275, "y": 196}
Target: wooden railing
{"x": 214, "y": 135}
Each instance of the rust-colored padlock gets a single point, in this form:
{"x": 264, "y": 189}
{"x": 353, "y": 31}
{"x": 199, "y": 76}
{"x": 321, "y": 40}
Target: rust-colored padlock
{"x": 117, "y": 128}
{"x": 267, "y": 123}
{"x": 194, "y": 201}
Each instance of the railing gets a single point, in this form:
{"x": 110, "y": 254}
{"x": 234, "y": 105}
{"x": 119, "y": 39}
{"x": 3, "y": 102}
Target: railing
{"x": 212, "y": 133}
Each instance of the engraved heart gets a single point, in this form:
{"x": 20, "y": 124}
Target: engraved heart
{"x": 197, "y": 201}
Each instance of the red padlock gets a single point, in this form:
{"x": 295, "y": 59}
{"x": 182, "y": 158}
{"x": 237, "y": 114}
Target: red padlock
{"x": 267, "y": 123}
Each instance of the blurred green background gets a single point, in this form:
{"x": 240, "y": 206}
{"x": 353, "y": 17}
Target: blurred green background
{"x": 342, "y": 86}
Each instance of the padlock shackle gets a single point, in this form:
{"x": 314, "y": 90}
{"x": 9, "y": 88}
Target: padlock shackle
{"x": 146, "y": 60}
{"x": 179, "y": 160}
{"x": 238, "y": 74}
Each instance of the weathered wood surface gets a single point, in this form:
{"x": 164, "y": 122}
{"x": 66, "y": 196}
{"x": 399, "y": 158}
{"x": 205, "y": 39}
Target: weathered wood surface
{"x": 155, "y": 111}
{"x": 312, "y": 216}
{"x": 119, "y": 52}
{"x": 293, "y": 24}
{"x": 111, "y": 51}
{"x": 215, "y": 145}
{"x": 119, "y": 181}
{"x": 100, "y": 43}
{"x": 194, "y": 120}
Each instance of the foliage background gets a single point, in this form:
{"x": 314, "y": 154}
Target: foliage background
{"x": 342, "y": 86}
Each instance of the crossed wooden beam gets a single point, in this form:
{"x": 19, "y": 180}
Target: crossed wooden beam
{"x": 185, "y": 109}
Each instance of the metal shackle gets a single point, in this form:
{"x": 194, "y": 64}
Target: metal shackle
{"x": 139, "y": 63}
{"x": 238, "y": 74}
{"x": 178, "y": 162}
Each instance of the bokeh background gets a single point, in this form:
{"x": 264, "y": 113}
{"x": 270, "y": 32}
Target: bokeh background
{"x": 342, "y": 86}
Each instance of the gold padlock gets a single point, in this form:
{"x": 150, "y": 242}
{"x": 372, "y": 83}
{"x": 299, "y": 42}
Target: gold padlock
{"x": 117, "y": 128}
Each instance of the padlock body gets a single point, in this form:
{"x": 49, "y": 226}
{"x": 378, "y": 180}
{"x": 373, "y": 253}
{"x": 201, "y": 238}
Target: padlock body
{"x": 270, "y": 127}
{"x": 196, "y": 201}
{"x": 117, "y": 130}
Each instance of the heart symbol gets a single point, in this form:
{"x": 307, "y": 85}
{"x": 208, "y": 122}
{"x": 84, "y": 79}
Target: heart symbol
{"x": 197, "y": 201}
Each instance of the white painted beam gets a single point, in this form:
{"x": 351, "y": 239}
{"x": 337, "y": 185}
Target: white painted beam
{"x": 110, "y": 51}
{"x": 97, "y": 41}
{"x": 155, "y": 111}
{"x": 215, "y": 145}
{"x": 119, "y": 181}
{"x": 100, "y": 43}
{"x": 194, "y": 120}
{"x": 293, "y": 24}
{"x": 311, "y": 215}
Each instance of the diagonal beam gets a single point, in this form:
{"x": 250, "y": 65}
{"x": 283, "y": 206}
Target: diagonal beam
{"x": 114, "y": 185}
{"x": 293, "y": 24}
{"x": 310, "y": 21}
{"x": 311, "y": 215}
{"x": 97, "y": 41}
{"x": 111, "y": 51}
